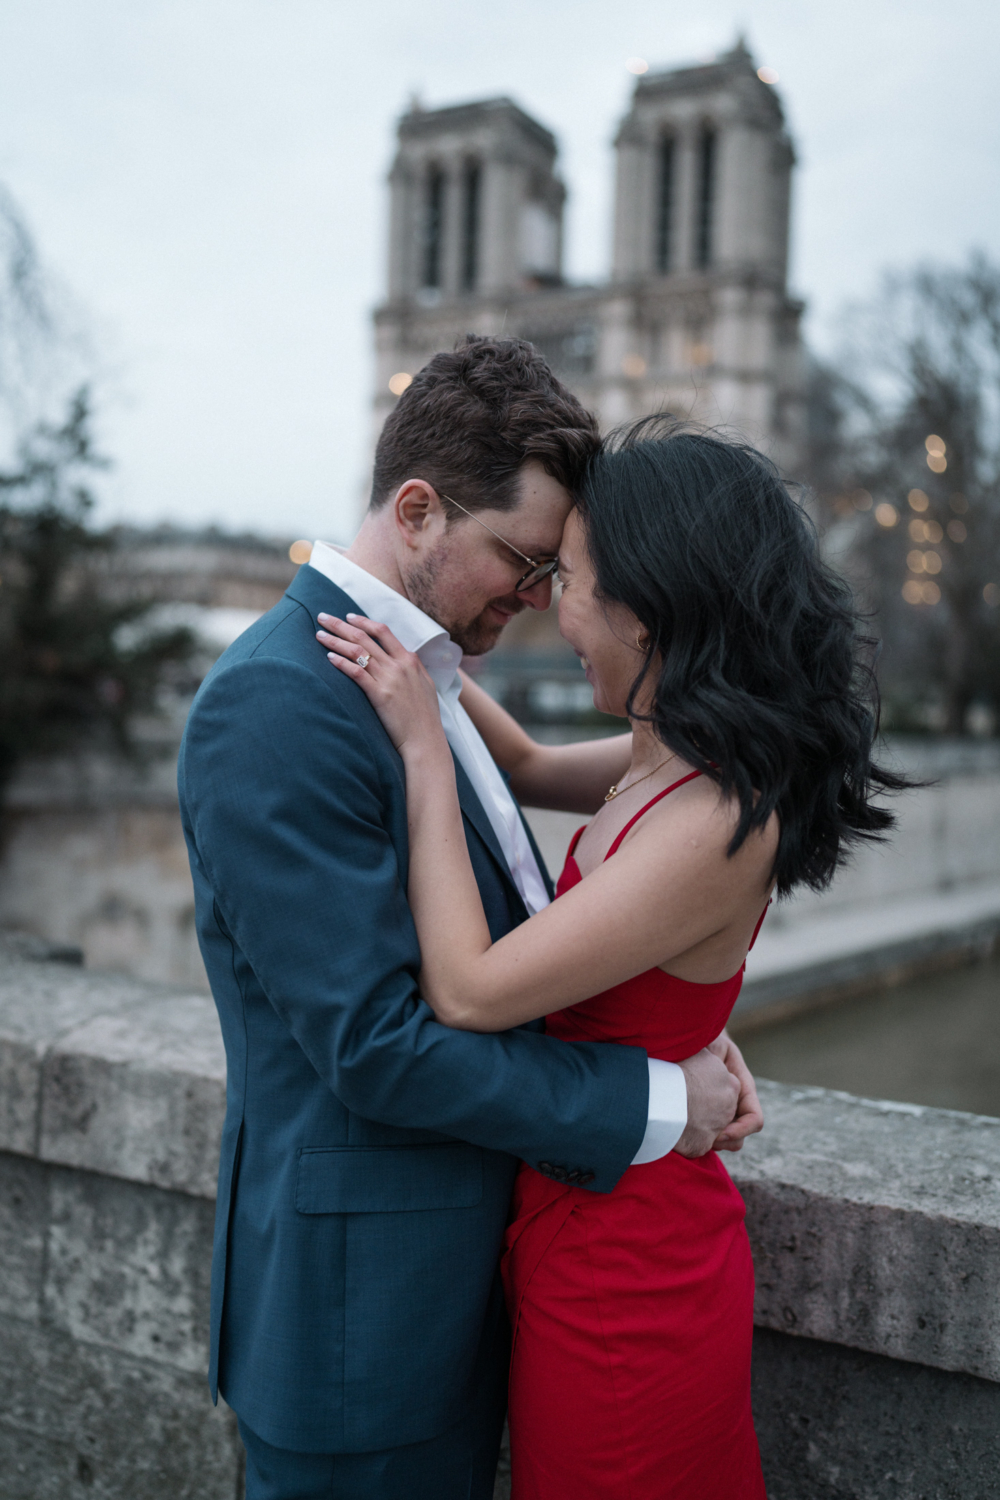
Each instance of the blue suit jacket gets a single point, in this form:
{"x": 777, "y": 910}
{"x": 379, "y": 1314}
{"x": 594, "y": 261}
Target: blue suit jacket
{"x": 368, "y": 1152}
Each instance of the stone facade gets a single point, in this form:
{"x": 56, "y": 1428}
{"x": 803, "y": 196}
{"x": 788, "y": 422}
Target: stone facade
{"x": 875, "y": 1229}
{"x": 696, "y": 317}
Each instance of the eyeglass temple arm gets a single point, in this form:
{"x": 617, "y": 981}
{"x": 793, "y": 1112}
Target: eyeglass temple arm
{"x": 522, "y": 555}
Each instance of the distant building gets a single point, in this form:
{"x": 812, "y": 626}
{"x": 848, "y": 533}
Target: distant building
{"x": 696, "y": 317}
{"x": 209, "y": 568}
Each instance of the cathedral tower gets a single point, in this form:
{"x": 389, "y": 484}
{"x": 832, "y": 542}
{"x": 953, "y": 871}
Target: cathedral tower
{"x": 695, "y": 317}
{"x": 476, "y": 206}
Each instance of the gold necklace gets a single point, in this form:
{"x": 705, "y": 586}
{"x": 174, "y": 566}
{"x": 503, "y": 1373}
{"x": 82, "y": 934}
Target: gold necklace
{"x": 645, "y": 777}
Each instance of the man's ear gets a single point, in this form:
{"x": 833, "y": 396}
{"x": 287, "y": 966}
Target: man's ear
{"x": 418, "y": 512}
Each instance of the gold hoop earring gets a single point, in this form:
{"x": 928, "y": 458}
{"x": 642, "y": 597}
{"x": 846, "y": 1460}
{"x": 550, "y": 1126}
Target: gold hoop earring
{"x": 640, "y": 644}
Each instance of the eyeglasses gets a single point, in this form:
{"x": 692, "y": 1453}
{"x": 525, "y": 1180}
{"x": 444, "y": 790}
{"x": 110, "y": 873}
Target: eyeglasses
{"x": 536, "y": 574}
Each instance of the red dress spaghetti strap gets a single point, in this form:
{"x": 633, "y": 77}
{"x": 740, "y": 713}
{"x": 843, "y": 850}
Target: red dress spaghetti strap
{"x": 632, "y": 1311}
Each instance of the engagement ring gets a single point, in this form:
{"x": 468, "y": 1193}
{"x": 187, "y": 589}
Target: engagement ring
{"x": 363, "y": 659}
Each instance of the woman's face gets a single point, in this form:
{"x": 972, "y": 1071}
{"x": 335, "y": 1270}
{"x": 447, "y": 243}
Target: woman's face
{"x": 602, "y": 634}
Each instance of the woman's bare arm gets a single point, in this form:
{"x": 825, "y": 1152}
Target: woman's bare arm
{"x": 660, "y": 898}
{"x": 567, "y": 778}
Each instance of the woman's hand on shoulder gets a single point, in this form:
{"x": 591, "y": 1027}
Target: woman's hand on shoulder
{"x": 394, "y": 680}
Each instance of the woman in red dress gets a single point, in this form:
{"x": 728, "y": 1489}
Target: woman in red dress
{"x": 694, "y": 595}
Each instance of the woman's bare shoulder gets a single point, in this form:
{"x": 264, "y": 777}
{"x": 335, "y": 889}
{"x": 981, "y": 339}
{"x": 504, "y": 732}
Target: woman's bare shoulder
{"x": 696, "y": 824}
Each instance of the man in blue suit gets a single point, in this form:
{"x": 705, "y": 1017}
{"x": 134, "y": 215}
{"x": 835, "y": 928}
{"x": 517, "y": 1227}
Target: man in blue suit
{"x": 368, "y": 1152}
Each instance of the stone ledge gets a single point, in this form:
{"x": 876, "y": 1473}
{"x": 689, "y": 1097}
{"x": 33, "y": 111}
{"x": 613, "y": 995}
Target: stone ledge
{"x": 111, "y": 1075}
{"x": 876, "y": 1225}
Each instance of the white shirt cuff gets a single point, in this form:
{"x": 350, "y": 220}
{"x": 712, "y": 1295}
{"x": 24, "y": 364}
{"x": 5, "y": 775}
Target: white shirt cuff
{"x": 668, "y": 1111}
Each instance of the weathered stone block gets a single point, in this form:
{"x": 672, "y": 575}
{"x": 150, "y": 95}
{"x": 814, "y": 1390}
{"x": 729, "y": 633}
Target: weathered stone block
{"x": 129, "y": 1267}
{"x": 39, "y": 1003}
{"x": 24, "y": 1209}
{"x": 139, "y": 1093}
{"x": 82, "y": 1423}
{"x": 876, "y": 1225}
{"x": 839, "y": 1424}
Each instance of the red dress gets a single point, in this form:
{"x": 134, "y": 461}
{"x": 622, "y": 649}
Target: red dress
{"x": 632, "y": 1310}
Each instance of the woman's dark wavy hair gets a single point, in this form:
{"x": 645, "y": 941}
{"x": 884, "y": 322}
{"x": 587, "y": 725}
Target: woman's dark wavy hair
{"x": 767, "y": 682}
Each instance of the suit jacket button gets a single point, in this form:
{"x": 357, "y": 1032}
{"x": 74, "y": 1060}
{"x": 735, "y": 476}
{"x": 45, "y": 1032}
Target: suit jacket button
{"x": 586, "y": 1177}
{"x": 546, "y": 1167}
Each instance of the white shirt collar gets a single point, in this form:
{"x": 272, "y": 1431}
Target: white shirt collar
{"x": 411, "y": 627}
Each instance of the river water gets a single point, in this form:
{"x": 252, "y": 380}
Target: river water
{"x": 929, "y": 1041}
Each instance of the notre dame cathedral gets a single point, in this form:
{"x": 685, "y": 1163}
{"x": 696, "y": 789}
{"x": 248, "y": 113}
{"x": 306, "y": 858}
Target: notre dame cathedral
{"x": 696, "y": 317}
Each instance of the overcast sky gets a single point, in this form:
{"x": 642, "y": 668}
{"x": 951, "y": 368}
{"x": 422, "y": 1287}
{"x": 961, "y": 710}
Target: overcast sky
{"x": 207, "y": 177}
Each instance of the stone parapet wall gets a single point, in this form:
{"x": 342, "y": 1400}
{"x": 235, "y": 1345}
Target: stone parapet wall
{"x": 876, "y": 1231}
{"x": 111, "y": 1101}
{"x": 877, "y": 1225}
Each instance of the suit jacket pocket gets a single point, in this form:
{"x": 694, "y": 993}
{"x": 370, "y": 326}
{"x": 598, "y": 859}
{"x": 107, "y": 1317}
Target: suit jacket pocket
{"x": 388, "y": 1179}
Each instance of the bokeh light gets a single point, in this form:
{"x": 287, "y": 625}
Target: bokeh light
{"x": 767, "y": 75}
{"x": 936, "y": 445}
{"x": 918, "y": 500}
{"x": 937, "y": 463}
{"x": 634, "y": 366}
{"x": 637, "y": 65}
{"x": 399, "y": 382}
{"x": 916, "y": 592}
{"x": 300, "y": 552}
{"x": 957, "y": 531}
{"x": 886, "y": 515}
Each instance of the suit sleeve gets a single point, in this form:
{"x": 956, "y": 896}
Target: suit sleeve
{"x": 285, "y": 804}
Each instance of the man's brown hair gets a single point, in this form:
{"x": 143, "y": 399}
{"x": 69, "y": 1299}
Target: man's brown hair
{"x": 471, "y": 418}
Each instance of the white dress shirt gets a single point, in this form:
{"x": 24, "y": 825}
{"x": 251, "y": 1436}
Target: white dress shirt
{"x": 440, "y": 655}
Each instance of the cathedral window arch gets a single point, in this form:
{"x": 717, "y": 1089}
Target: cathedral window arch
{"x": 666, "y": 173}
{"x": 705, "y": 216}
{"x": 433, "y": 246}
{"x": 472, "y": 188}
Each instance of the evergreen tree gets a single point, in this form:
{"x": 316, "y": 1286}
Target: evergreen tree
{"x": 76, "y": 663}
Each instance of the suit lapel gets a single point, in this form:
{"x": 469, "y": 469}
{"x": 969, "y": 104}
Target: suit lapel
{"x": 475, "y": 813}
{"x": 543, "y": 868}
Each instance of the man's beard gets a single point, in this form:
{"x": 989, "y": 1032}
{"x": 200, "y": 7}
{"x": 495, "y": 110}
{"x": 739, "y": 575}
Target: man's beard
{"x": 475, "y": 636}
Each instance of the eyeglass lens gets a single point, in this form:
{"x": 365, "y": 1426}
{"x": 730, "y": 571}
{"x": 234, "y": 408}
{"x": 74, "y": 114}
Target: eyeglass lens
{"x": 537, "y": 575}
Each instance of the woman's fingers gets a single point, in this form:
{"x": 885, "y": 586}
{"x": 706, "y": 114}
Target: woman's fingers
{"x": 357, "y": 626}
{"x": 379, "y": 633}
{"x": 351, "y": 669}
{"x": 338, "y": 634}
{"x": 343, "y": 646}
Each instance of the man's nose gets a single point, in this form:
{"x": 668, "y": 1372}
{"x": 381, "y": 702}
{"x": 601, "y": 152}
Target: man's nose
{"x": 539, "y": 596}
